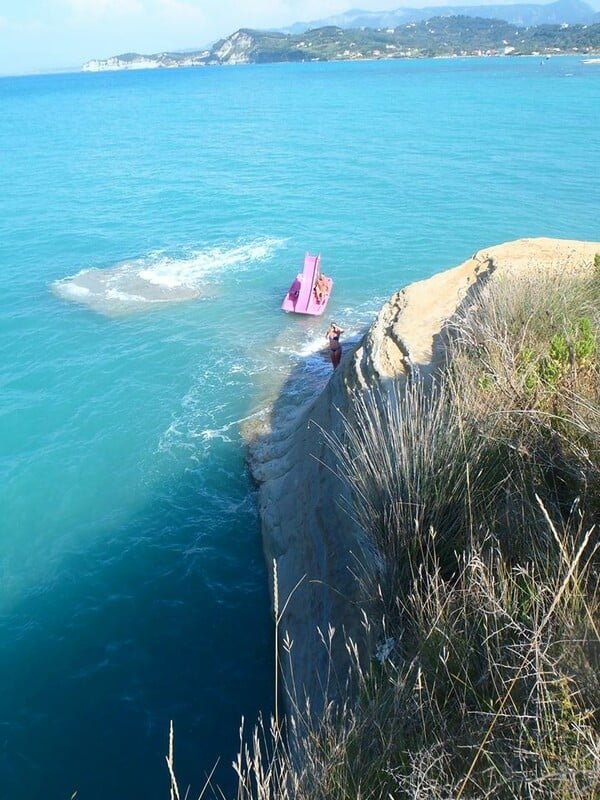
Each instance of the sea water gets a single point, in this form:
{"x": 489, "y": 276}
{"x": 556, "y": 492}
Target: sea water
{"x": 150, "y": 225}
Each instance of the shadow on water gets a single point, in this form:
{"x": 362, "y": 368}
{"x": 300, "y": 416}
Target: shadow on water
{"x": 157, "y": 620}
{"x": 163, "y": 616}
{"x": 296, "y": 392}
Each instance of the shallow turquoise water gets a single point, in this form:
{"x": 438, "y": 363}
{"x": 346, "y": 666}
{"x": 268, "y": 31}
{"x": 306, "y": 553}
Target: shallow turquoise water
{"x": 133, "y": 589}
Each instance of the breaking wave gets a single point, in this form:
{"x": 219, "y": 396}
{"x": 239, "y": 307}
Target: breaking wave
{"x": 160, "y": 278}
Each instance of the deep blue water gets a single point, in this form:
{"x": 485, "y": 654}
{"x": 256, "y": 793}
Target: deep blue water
{"x": 133, "y": 589}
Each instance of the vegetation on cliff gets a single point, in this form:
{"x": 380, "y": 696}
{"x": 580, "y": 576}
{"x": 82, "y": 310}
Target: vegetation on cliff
{"x": 479, "y": 490}
{"x": 439, "y": 36}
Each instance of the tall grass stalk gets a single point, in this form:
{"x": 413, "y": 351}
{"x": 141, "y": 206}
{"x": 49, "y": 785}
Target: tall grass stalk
{"x": 171, "y": 766}
{"x": 278, "y": 614}
{"x": 533, "y": 644}
{"x": 276, "y": 658}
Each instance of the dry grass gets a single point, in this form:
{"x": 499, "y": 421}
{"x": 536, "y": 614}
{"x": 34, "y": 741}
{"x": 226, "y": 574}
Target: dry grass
{"x": 481, "y": 494}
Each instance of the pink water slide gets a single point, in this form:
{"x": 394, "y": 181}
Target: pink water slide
{"x": 302, "y": 297}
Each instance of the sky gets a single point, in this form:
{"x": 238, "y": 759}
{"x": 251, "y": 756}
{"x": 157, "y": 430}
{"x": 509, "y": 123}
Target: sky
{"x": 48, "y": 35}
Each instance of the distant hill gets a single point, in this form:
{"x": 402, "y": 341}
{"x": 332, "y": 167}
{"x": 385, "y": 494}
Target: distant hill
{"x": 571, "y": 12}
{"x": 438, "y": 36}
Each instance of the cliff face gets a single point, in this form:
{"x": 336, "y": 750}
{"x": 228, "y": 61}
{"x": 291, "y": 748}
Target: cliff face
{"x": 133, "y": 61}
{"x": 305, "y": 511}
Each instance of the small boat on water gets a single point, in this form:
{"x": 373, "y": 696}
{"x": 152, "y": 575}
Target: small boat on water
{"x": 310, "y": 290}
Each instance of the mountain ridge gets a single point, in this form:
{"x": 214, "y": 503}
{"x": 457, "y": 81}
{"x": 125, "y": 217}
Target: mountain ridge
{"x": 572, "y": 12}
{"x": 435, "y": 37}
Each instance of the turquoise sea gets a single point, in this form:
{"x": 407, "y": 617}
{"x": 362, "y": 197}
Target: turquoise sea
{"x": 150, "y": 225}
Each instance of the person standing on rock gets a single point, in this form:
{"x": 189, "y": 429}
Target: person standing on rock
{"x": 335, "y": 348}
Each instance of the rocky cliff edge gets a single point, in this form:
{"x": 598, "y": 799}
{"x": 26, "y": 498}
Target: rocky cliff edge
{"x": 324, "y": 567}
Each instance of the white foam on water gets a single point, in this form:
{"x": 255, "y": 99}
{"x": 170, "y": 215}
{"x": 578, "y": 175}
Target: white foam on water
{"x": 290, "y": 372}
{"x": 185, "y": 432}
{"x": 192, "y": 271}
{"x": 310, "y": 347}
{"x": 124, "y": 297}
{"x": 223, "y": 431}
{"x": 316, "y": 343}
{"x": 161, "y": 277}
{"x": 75, "y": 291}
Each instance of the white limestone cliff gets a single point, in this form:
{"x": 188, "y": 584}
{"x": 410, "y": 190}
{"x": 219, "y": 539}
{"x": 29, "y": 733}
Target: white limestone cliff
{"x": 133, "y": 61}
{"x": 306, "y": 524}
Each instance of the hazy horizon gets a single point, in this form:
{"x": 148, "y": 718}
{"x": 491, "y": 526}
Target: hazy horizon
{"x": 61, "y": 35}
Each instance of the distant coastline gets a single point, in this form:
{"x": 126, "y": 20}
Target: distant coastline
{"x": 146, "y": 64}
{"x": 438, "y": 37}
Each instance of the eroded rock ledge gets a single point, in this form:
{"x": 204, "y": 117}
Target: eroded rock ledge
{"x": 306, "y": 524}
